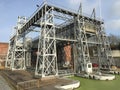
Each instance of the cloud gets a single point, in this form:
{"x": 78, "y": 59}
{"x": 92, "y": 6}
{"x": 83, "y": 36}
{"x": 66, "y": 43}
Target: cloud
{"x": 114, "y": 24}
{"x": 116, "y": 8}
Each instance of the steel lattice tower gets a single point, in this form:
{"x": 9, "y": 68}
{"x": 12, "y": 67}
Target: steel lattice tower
{"x": 46, "y": 57}
{"x": 83, "y": 51}
{"x": 82, "y": 32}
{"x": 16, "y": 52}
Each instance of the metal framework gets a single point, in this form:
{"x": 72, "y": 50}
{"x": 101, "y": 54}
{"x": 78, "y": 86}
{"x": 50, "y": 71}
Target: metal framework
{"x": 83, "y": 51}
{"x": 46, "y": 59}
{"x": 16, "y": 52}
{"x": 106, "y": 55}
{"x": 59, "y": 26}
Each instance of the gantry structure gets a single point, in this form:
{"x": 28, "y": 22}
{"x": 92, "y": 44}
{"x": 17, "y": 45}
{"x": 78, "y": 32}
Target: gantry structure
{"x": 57, "y": 28}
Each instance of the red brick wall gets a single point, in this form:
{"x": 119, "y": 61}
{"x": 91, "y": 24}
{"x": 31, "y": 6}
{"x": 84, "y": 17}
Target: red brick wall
{"x": 3, "y": 54}
{"x": 3, "y": 48}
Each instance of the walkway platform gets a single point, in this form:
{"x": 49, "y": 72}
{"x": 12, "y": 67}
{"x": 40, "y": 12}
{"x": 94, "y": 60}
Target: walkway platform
{"x": 20, "y": 80}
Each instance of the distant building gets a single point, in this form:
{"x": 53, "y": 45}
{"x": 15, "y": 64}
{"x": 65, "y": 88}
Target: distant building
{"x": 3, "y": 53}
{"x": 116, "y": 56}
{"x": 116, "y": 53}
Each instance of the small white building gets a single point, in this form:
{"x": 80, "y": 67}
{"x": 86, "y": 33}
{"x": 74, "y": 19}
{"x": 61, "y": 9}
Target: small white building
{"x": 116, "y": 53}
{"x": 116, "y": 56}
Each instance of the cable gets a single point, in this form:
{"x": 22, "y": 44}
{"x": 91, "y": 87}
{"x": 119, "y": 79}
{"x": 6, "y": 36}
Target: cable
{"x": 100, "y": 9}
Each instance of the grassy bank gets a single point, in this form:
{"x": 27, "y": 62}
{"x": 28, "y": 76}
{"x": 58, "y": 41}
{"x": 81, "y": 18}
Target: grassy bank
{"x": 89, "y": 84}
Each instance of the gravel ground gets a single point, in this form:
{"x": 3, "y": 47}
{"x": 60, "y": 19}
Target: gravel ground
{"x": 3, "y": 84}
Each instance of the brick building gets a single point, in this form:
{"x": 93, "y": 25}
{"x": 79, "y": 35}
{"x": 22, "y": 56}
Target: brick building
{"x": 3, "y": 53}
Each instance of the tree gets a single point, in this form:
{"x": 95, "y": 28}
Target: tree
{"x": 114, "y": 41}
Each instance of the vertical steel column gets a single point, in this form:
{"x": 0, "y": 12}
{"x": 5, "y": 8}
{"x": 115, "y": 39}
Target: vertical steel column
{"x": 108, "y": 59}
{"x": 99, "y": 45}
{"x": 46, "y": 64}
{"x": 9, "y": 54}
{"x": 83, "y": 51}
{"x": 16, "y": 53}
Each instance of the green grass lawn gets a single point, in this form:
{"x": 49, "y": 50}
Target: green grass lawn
{"x": 89, "y": 84}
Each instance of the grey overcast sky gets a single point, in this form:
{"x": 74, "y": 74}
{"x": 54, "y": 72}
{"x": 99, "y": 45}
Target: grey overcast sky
{"x": 11, "y": 9}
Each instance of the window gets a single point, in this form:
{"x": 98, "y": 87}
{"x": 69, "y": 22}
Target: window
{"x": 89, "y": 65}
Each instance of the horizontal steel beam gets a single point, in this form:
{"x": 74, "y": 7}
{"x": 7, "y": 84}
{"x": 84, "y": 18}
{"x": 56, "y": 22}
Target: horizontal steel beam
{"x": 38, "y": 15}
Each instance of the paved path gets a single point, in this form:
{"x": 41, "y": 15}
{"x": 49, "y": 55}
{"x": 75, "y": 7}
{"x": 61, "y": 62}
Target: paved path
{"x": 3, "y": 84}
